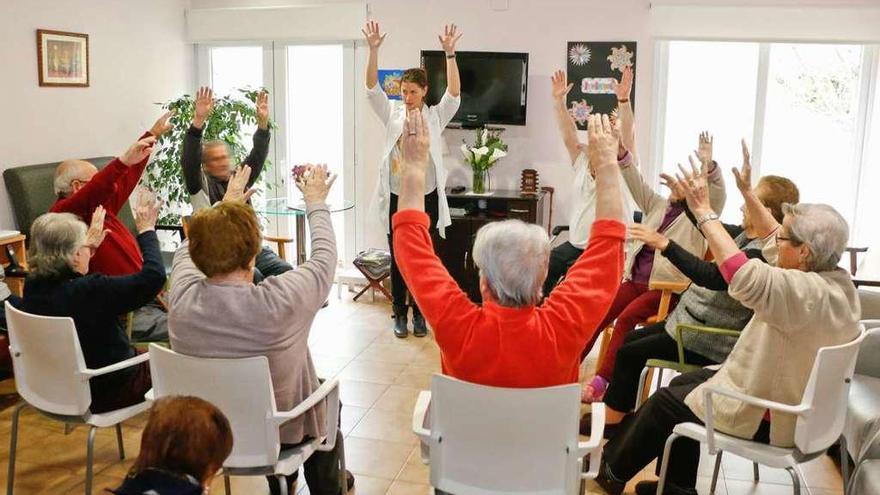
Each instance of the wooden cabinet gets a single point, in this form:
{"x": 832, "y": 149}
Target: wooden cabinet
{"x": 456, "y": 251}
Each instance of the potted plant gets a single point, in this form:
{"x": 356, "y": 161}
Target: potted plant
{"x": 164, "y": 175}
{"x": 487, "y": 149}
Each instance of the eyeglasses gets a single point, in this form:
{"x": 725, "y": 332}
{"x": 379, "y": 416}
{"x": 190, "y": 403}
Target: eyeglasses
{"x": 787, "y": 239}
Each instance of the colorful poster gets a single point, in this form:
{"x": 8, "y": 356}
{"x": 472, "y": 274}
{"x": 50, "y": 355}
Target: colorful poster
{"x": 594, "y": 68}
{"x": 390, "y": 81}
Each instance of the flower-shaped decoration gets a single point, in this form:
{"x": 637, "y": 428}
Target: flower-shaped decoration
{"x": 580, "y": 54}
{"x": 620, "y": 58}
{"x": 580, "y": 111}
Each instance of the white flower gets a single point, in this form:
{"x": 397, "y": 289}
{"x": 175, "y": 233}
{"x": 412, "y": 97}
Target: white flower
{"x": 479, "y": 152}
{"x": 466, "y": 152}
{"x": 496, "y": 154}
{"x": 485, "y": 135}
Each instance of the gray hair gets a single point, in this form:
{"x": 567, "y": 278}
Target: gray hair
{"x": 67, "y": 172}
{"x": 822, "y": 229}
{"x": 55, "y": 237}
{"x": 215, "y": 143}
{"x": 512, "y": 256}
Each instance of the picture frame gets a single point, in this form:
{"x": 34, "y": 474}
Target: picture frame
{"x": 62, "y": 58}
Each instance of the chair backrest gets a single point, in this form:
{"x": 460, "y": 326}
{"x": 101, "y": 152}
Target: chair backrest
{"x": 48, "y": 363}
{"x": 868, "y": 362}
{"x": 869, "y": 301}
{"x": 241, "y": 388}
{"x": 31, "y": 192}
{"x": 826, "y": 394}
{"x": 499, "y": 440}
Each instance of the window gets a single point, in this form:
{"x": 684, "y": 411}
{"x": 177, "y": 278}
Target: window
{"x": 803, "y": 108}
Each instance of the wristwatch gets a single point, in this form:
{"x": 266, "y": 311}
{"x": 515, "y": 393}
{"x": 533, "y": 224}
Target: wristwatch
{"x": 706, "y": 218}
{"x": 448, "y": 56}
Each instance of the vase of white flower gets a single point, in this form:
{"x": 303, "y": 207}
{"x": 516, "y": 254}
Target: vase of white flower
{"x": 487, "y": 149}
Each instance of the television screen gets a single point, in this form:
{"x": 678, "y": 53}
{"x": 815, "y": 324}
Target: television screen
{"x": 493, "y": 86}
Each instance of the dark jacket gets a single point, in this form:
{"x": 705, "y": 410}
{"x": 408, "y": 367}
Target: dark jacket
{"x": 98, "y": 305}
{"x": 197, "y": 181}
{"x": 154, "y": 481}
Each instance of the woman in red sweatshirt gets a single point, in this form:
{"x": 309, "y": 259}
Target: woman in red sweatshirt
{"x": 511, "y": 341}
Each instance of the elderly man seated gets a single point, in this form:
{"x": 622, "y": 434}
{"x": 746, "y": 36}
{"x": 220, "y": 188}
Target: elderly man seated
{"x": 81, "y": 189}
{"x": 60, "y": 284}
{"x": 218, "y": 312}
{"x": 510, "y": 341}
{"x": 803, "y": 303}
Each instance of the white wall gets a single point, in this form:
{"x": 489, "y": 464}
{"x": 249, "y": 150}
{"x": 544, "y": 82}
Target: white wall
{"x": 138, "y": 56}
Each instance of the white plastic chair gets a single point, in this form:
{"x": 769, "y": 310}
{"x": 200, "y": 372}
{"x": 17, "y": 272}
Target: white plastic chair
{"x": 820, "y": 418}
{"x": 51, "y": 376}
{"x": 242, "y": 389}
{"x": 487, "y": 440}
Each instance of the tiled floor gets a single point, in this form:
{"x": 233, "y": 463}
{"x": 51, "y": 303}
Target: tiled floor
{"x": 380, "y": 379}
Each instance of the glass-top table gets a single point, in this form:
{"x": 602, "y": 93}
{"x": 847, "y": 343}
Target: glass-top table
{"x": 296, "y": 208}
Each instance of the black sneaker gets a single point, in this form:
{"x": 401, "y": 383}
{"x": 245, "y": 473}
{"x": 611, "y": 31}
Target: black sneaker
{"x": 400, "y": 330}
{"x": 650, "y": 488}
{"x": 349, "y": 481}
{"x": 419, "y": 327}
{"x": 610, "y": 486}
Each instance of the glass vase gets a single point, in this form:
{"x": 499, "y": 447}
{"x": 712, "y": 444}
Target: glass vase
{"x": 480, "y": 181}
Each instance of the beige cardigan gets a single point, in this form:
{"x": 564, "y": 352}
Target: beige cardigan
{"x": 681, "y": 230}
{"x": 272, "y": 319}
{"x": 796, "y": 313}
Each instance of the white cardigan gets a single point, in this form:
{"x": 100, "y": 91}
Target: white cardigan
{"x": 393, "y": 115}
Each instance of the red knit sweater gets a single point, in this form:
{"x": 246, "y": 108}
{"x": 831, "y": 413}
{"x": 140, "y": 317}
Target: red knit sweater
{"x": 119, "y": 254}
{"x": 511, "y": 347}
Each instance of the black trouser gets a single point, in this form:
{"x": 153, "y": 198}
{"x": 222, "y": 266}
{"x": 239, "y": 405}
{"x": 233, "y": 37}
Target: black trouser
{"x": 269, "y": 264}
{"x": 561, "y": 259}
{"x": 642, "y": 437}
{"x": 398, "y": 286}
{"x": 650, "y": 342}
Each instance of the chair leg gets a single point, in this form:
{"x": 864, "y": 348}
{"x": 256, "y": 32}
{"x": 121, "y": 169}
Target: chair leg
{"x": 844, "y": 465}
{"x": 13, "y": 442}
{"x": 343, "y": 477}
{"x": 643, "y": 378}
{"x": 227, "y": 485}
{"x": 757, "y": 472}
{"x": 90, "y": 455}
{"x": 119, "y": 441}
{"x": 795, "y": 480}
{"x": 716, "y": 471}
{"x": 282, "y": 484}
{"x": 665, "y": 462}
{"x": 659, "y": 379}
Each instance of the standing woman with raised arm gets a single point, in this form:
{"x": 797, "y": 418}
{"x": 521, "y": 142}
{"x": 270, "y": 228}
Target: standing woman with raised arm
{"x": 413, "y": 88}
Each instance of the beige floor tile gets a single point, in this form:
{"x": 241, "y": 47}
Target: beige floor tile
{"x": 375, "y": 458}
{"x": 398, "y": 399}
{"x": 368, "y": 485}
{"x": 415, "y": 471}
{"x": 360, "y": 394}
{"x": 737, "y": 487}
{"x": 416, "y": 377}
{"x": 386, "y": 425}
{"x": 351, "y": 415}
{"x": 370, "y": 371}
{"x": 329, "y": 366}
{"x": 407, "y": 488}
{"x": 396, "y": 353}
{"x": 738, "y": 469}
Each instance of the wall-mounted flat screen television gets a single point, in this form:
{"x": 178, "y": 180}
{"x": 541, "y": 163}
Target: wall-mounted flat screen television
{"x": 494, "y": 86}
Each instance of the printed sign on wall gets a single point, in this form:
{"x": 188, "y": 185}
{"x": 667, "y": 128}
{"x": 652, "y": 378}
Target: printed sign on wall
{"x": 594, "y": 68}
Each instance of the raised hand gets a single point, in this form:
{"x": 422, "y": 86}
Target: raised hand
{"x": 371, "y": 33}
{"x": 744, "y": 175}
{"x": 449, "y": 38}
{"x": 704, "y": 149}
{"x": 415, "y": 142}
{"x": 235, "y": 188}
{"x": 263, "y": 110}
{"x": 146, "y": 210}
{"x": 696, "y": 192}
{"x": 560, "y": 88}
{"x": 162, "y": 125}
{"x": 204, "y": 106}
{"x": 96, "y": 233}
{"x": 673, "y": 184}
{"x": 139, "y": 151}
{"x": 623, "y": 89}
{"x": 315, "y": 183}
{"x": 603, "y": 142}
{"x": 650, "y": 237}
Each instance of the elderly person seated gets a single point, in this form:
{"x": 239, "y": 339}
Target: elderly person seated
{"x": 803, "y": 303}
{"x": 511, "y": 341}
{"x": 705, "y": 303}
{"x": 58, "y": 285}
{"x": 81, "y": 188}
{"x": 217, "y": 311}
{"x": 183, "y": 446}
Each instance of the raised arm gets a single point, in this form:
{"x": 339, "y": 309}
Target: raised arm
{"x": 191, "y": 156}
{"x": 125, "y": 186}
{"x": 256, "y": 159}
{"x": 375, "y": 95}
{"x": 623, "y": 90}
{"x": 564, "y": 121}
{"x": 762, "y": 220}
{"x": 711, "y": 170}
{"x": 448, "y": 40}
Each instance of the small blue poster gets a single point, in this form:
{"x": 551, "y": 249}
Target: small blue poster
{"x": 389, "y": 79}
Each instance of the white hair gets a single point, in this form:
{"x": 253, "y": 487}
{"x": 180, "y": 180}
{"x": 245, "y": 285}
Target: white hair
{"x": 55, "y": 237}
{"x": 512, "y": 257}
{"x": 67, "y": 172}
{"x": 822, "y": 229}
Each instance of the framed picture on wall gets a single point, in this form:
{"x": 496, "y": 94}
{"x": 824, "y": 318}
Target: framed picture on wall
{"x": 594, "y": 68}
{"x": 63, "y": 58}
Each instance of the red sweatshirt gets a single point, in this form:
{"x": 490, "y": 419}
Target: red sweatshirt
{"x": 511, "y": 347}
{"x": 119, "y": 254}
